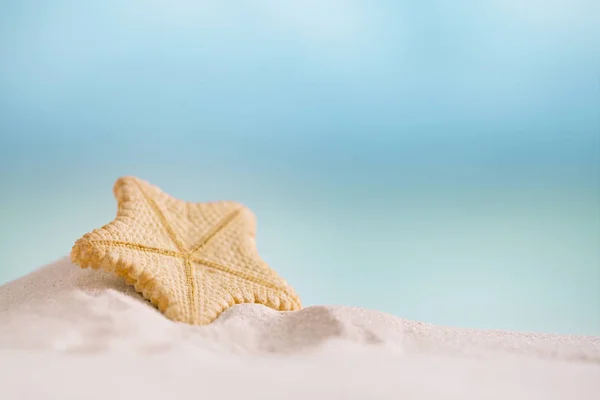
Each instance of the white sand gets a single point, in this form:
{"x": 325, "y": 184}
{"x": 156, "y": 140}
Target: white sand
{"x": 67, "y": 333}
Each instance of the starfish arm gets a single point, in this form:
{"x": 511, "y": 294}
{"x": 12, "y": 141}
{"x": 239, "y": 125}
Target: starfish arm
{"x": 258, "y": 281}
{"x": 136, "y": 246}
{"x": 143, "y": 208}
{"x": 217, "y": 292}
{"x": 214, "y": 231}
{"x": 145, "y": 270}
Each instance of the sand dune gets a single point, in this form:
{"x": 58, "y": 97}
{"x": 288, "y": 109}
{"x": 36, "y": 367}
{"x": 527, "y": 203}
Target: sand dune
{"x": 71, "y": 333}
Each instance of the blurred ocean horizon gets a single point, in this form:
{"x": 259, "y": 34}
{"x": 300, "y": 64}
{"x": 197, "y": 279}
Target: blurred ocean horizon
{"x": 438, "y": 161}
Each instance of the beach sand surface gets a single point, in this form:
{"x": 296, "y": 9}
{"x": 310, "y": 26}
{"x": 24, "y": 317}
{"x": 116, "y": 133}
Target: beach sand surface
{"x": 67, "y": 333}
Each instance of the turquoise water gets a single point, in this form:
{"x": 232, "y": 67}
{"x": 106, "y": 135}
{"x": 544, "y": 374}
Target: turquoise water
{"x": 435, "y": 160}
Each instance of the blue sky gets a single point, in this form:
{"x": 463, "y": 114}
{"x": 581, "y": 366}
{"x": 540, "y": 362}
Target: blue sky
{"x": 436, "y": 160}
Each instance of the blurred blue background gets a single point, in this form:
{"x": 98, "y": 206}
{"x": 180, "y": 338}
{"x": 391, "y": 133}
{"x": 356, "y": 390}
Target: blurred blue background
{"x": 436, "y": 160}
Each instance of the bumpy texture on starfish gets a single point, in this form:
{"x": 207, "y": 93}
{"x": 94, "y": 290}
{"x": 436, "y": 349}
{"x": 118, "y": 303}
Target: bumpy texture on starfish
{"x": 191, "y": 260}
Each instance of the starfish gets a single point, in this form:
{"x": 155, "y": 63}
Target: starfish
{"x": 191, "y": 260}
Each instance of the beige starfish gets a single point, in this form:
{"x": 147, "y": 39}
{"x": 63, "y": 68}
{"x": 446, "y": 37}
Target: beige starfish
{"x": 191, "y": 260}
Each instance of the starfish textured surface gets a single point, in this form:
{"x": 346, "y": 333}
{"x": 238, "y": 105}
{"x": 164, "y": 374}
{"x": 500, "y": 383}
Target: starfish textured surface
{"x": 191, "y": 260}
